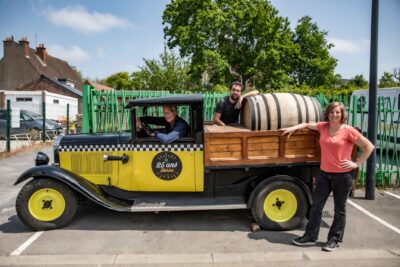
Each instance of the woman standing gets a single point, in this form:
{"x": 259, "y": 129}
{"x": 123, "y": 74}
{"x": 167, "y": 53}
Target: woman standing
{"x": 336, "y": 172}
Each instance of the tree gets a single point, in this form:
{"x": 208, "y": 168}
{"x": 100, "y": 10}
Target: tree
{"x": 396, "y": 74}
{"x": 387, "y": 80}
{"x": 119, "y": 80}
{"x": 231, "y": 40}
{"x": 169, "y": 73}
{"x": 312, "y": 65}
{"x": 358, "y": 81}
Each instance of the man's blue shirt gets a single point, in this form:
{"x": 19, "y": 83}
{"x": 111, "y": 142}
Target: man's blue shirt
{"x": 171, "y": 133}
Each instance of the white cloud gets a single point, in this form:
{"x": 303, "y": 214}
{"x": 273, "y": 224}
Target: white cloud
{"x": 82, "y": 20}
{"x": 348, "y": 46}
{"x": 71, "y": 53}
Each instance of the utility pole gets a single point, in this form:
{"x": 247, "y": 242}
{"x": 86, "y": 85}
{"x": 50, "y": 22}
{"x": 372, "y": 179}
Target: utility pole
{"x": 373, "y": 73}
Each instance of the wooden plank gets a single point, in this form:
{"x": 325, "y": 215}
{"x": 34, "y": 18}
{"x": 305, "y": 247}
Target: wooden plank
{"x": 303, "y": 137}
{"x": 300, "y": 144}
{"x": 282, "y": 146}
{"x": 263, "y": 139}
{"x": 245, "y": 151}
{"x": 214, "y": 155}
{"x": 225, "y": 140}
{"x": 265, "y": 152}
{"x": 258, "y": 146}
{"x": 225, "y": 129}
{"x": 301, "y": 151}
{"x": 226, "y": 147}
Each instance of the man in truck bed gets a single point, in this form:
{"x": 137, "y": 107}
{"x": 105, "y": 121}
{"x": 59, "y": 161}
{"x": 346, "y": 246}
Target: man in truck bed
{"x": 228, "y": 108}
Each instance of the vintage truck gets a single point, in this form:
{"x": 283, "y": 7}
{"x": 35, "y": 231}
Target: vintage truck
{"x": 214, "y": 168}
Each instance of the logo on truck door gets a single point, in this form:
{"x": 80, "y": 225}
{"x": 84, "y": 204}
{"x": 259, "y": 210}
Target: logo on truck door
{"x": 166, "y": 166}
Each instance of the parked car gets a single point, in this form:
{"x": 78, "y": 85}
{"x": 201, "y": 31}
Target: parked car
{"x": 31, "y": 123}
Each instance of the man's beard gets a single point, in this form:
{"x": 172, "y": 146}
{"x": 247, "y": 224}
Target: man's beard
{"x": 234, "y": 97}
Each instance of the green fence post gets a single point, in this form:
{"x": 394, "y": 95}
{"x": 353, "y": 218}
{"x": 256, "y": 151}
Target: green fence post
{"x": 353, "y": 112}
{"x": 85, "y": 109}
{"x": 44, "y": 121}
{"x": 67, "y": 119}
{"x": 8, "y": 136}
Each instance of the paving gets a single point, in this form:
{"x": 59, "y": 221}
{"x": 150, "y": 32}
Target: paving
{"x": 99, "y": 237}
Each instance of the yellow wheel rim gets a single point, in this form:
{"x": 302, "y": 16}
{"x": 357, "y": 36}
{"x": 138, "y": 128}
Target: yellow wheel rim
{"x": 46, "y": 204}
{"x": 280, "y": 205}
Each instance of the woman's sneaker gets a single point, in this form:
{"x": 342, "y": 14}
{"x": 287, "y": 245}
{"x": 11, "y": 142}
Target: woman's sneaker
{"x": 305, "y": 240}
{"x": 331, "y": 245}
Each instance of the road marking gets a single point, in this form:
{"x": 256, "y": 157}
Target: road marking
{"x": 391, "y": 194}
{"x": 26, "y": 244}
{"x": 376, "y": 218}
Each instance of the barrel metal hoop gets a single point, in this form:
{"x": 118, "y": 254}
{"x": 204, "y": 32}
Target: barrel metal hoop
{"x": 278, "y": 109}
{"x": 299, "y": 116}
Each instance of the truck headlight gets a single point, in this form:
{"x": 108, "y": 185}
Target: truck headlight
{"x": 41, "y": 159}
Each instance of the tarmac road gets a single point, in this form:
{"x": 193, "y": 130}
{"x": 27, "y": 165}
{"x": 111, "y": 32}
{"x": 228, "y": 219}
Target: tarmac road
{"x": 100, "y": 237}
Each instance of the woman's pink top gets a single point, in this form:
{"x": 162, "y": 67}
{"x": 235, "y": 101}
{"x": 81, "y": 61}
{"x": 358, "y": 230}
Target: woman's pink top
{"x": 336, "y": 148}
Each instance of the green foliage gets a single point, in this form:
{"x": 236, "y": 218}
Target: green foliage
{"x": 312, "y": 64}
{"x": 387, "y": 80}
{"x": 247, "y": 40}
{"x": 358, "y": 82}
{"x": 119, "y": 81}
{"x": 169, "y": 73}
{"x": 231, "y": 40}
{"x": 220, "y": 89}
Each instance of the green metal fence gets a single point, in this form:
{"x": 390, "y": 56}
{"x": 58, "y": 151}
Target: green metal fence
{"x": 105, "y": 112}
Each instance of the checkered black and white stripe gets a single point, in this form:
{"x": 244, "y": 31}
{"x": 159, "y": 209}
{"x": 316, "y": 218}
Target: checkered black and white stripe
{"x": 132, "y": 147}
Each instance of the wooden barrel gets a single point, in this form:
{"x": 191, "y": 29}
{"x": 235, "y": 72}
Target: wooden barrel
{"x": 280, "y": 110}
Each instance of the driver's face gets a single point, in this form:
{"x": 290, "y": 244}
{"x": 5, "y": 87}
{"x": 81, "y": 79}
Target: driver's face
{"x": 169, "y": 115}
{"x": 236, "y": 92}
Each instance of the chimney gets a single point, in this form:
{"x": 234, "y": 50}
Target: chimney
{"x": 24, "y": 43}
{"x": 41, "y": 52}
{"x": 7, "y": 45}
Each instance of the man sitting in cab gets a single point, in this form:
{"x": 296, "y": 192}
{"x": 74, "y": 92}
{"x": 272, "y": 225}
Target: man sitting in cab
{"x": 174, "y": 126}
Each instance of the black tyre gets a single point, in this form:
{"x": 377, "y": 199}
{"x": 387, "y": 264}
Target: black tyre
{"x": 280, "y": 205}
{"x": 46, "y": 204}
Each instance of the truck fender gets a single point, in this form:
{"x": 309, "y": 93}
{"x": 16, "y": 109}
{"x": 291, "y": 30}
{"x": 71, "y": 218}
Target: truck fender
{"x": 275, "y": 179}
{"x": 74, "y": 181}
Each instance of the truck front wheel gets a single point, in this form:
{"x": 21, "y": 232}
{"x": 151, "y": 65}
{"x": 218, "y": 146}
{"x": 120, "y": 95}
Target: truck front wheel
{"x": 45, "y": 204}
{"x": 280, "y": 206}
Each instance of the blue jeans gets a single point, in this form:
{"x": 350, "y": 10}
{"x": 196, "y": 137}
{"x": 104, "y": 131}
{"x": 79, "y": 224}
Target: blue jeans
{"x": 340, "y": 184}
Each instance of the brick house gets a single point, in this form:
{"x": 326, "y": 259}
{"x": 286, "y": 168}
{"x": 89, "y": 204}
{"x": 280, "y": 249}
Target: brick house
{"x": 27, "y": 69}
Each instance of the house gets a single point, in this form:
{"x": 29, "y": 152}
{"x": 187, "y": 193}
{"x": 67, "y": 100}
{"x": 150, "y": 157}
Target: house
{"x": 98, "y": 86}
{"x": 26, "y": 69}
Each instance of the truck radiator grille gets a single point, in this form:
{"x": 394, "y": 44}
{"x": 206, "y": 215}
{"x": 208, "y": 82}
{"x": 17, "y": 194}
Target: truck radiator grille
{"x": 90, "y": 163}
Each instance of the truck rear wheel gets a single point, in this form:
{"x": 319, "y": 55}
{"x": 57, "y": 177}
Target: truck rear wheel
{"x": 280, "y": 206}
{"x": 46, "y": 204}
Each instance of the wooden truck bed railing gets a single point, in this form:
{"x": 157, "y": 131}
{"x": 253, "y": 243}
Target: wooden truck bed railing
{"x": 228, "y": 146}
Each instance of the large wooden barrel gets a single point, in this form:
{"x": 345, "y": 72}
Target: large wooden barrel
{"x": 280, "y": 110}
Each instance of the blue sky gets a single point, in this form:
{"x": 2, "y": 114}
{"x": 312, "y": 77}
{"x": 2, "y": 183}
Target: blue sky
{"x": 103, "y": 37}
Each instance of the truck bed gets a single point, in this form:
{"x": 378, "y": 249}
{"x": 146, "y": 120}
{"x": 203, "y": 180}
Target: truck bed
{"x": 238, "y": 146}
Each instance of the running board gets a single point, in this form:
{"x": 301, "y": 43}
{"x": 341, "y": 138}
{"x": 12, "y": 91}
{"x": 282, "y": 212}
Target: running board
{"x": 162, "y": 206}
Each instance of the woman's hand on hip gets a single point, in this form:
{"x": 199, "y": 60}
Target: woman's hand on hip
{"x": 348, "y": 164}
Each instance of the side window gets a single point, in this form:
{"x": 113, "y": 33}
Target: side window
{"x": 159, "y": 120}
{"x": 25, "y": 117}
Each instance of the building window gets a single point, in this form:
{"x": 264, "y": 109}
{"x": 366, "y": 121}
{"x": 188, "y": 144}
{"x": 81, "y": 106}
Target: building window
{"x": 56, "y": 101}
{"x": 24, "y": 99}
